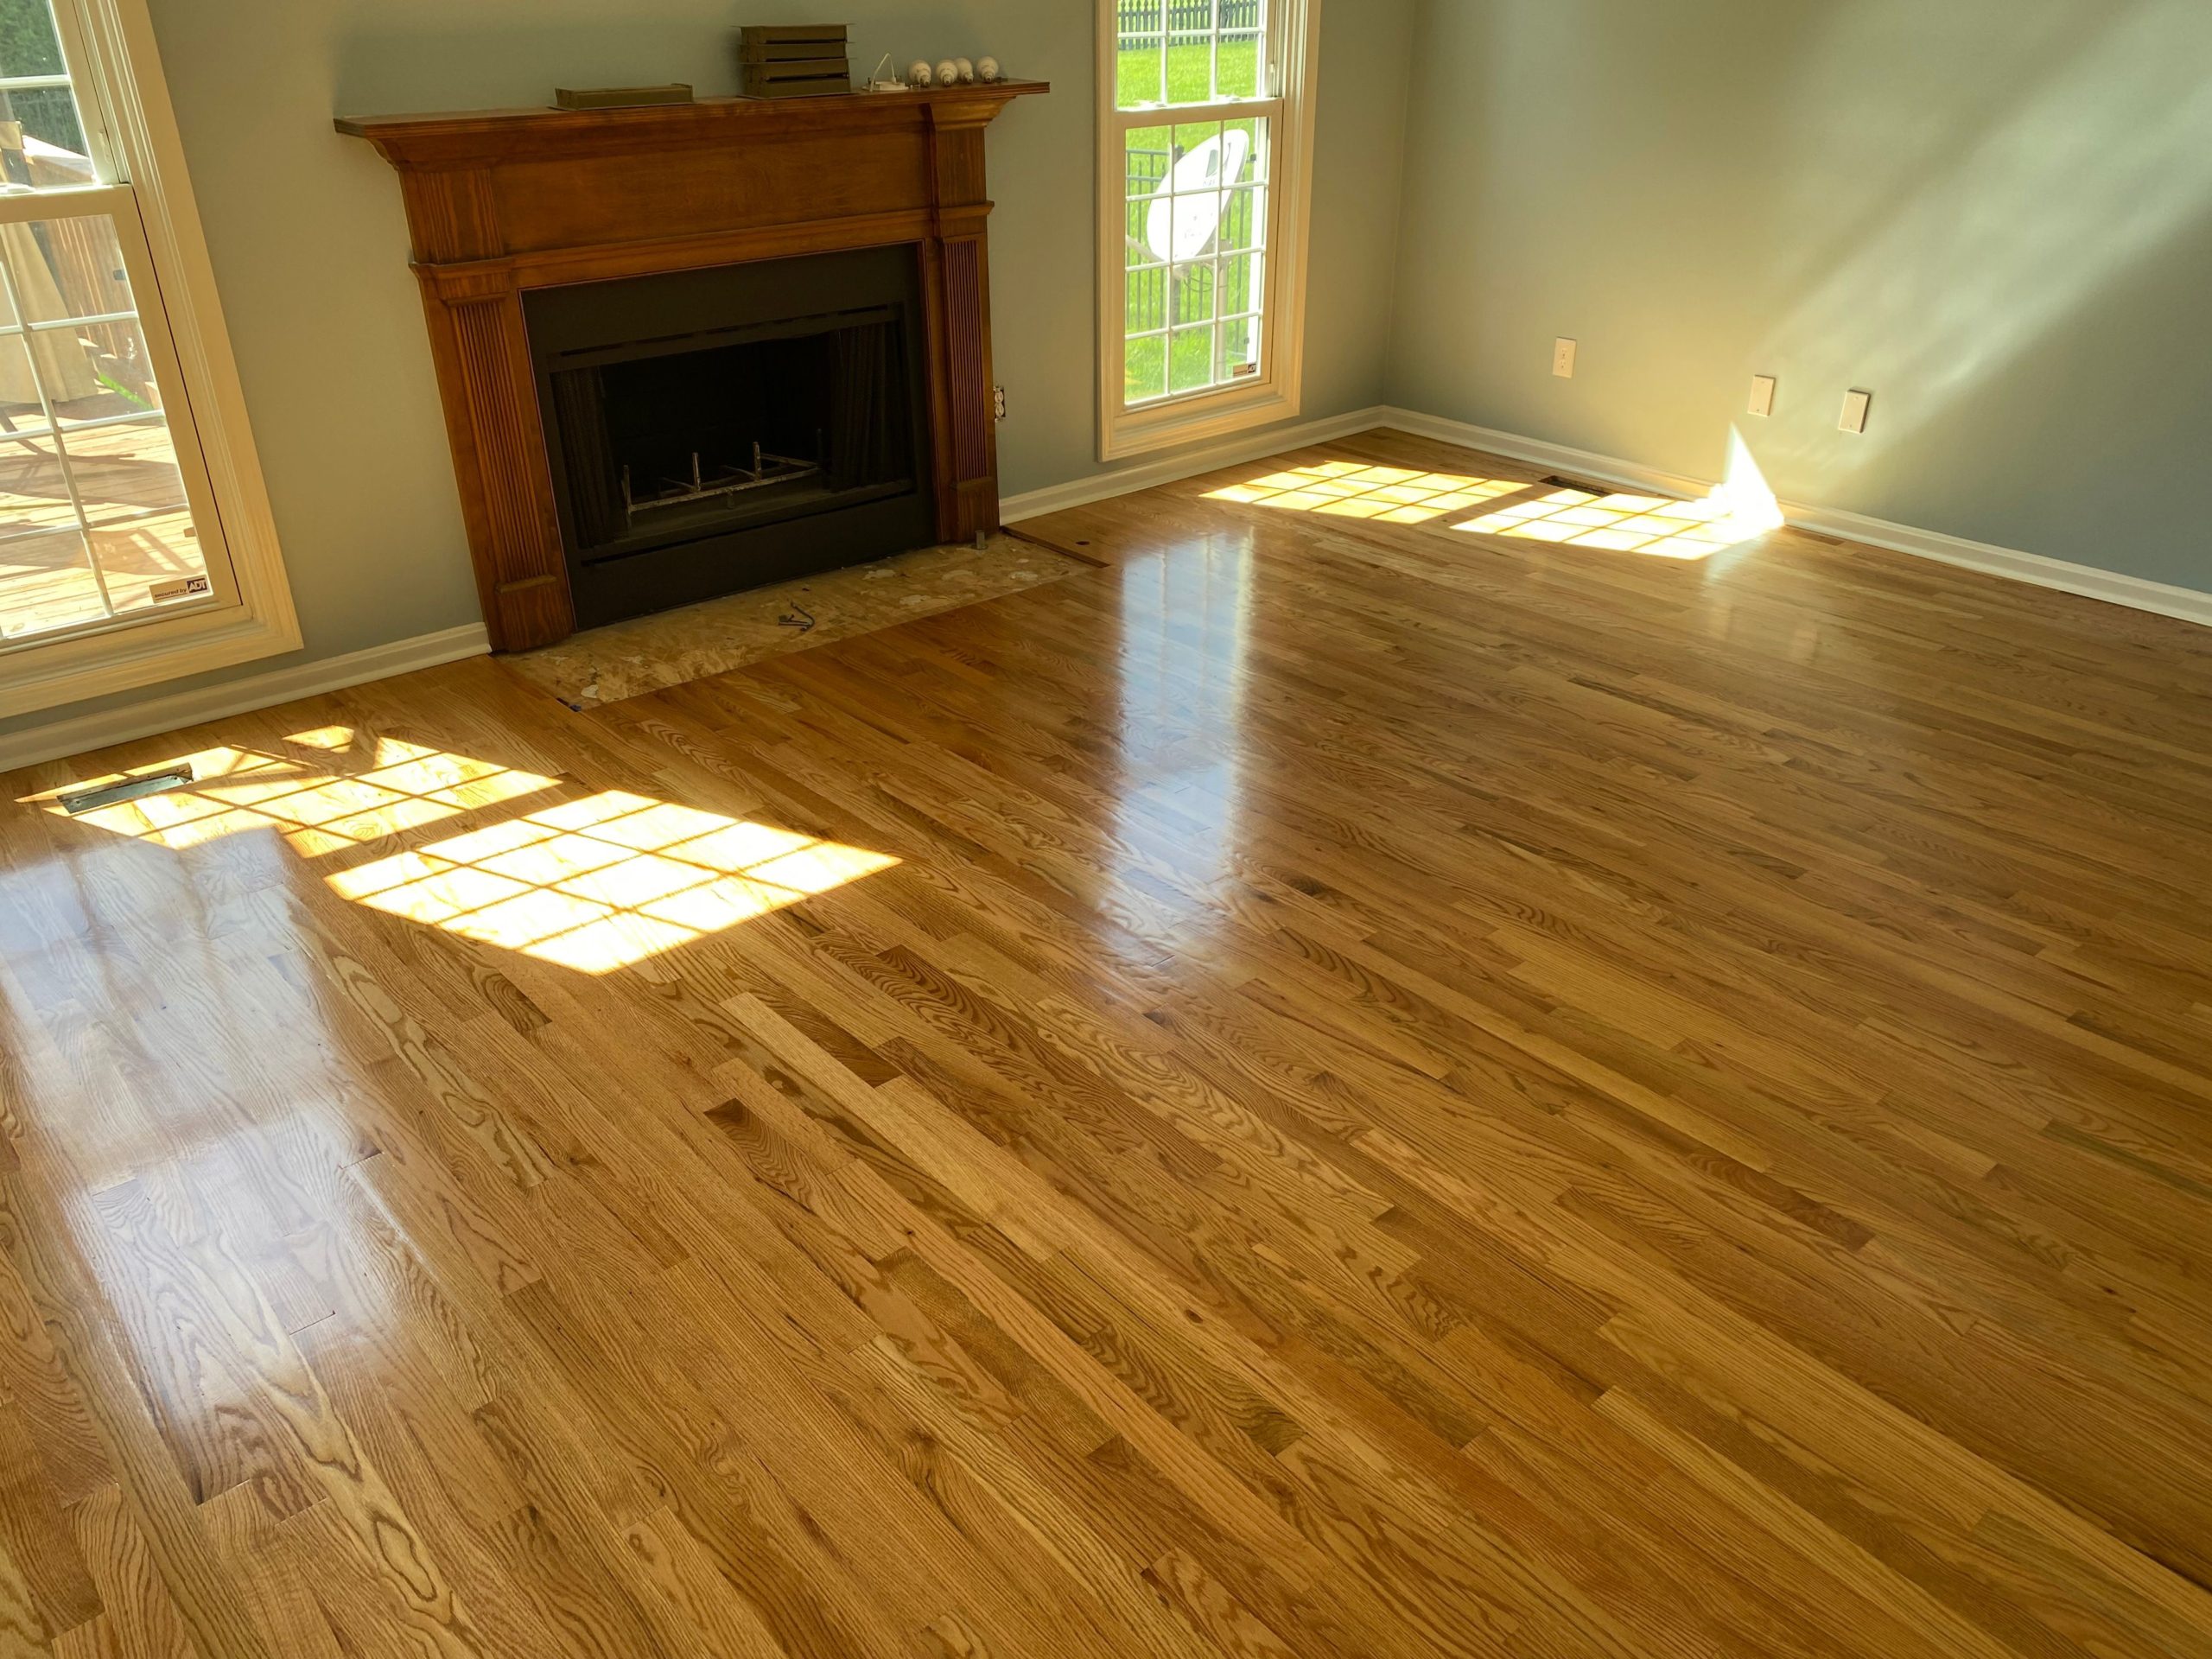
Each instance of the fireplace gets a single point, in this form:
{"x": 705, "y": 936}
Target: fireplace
{"x": 712, "y": 430}
{"x": 688, "y": 348}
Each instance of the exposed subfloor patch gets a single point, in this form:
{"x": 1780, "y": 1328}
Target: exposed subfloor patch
{"x": 627, "y": 659}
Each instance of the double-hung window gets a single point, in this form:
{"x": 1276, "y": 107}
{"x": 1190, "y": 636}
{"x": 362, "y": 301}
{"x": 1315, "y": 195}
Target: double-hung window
{"x": 134, "y": 542}
{"x": 1205, "y": 122}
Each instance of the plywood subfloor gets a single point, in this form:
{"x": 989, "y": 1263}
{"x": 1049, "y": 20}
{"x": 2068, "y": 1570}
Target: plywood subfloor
{"x": 627, "y": 659}
{"x": 1343, "y": 1085}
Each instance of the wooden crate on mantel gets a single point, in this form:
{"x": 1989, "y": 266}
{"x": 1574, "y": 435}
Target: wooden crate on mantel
{"x": 792, "y": 60}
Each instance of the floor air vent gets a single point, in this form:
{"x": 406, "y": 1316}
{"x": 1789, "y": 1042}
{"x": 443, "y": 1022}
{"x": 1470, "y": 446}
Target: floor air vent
{"x": 127, "y": 789}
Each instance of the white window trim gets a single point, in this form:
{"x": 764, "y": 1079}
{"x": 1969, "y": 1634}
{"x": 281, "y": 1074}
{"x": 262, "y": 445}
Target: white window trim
{"x": 1275, "y": 394}
{"x": 116, "y": 64}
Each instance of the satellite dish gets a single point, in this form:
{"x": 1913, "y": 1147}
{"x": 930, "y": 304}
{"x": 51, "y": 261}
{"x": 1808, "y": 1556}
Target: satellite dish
{"x": 1186, "y": 207}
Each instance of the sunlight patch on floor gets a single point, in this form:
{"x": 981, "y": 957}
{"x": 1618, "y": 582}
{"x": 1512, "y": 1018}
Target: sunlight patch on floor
{"x": 399, "y": 786}
{"x": 1653, "y": 525}
{"x": 1347, "y": 489}
{"x": 600, "y": 883}
{"x": 593, "y": 883}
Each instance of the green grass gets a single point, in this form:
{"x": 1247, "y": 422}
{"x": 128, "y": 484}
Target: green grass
{"x": 1188, "y": 357}
{"x": 1190, "y": 74}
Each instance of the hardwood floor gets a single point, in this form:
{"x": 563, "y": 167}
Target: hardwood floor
{"x": 1330, "y": 1087}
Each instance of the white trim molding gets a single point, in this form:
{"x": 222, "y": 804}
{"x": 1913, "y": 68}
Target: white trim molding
{"x": 1533, "y": 452}
{"x": 1188, "y": 463}
{"x": 2114, "y": 588}
{"x": 2137, "y": 593}
{"x": 114, "y": 64}
{"x": 143, "y": 719}
{"x": 57, "y": 739}
{"x": 1291, "y": 62}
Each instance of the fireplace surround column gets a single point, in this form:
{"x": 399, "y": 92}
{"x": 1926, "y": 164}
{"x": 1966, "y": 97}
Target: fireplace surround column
{"x": 500, "y": 202}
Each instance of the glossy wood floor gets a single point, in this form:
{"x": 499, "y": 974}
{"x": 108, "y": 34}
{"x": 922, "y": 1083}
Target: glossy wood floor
{"x": 1408, "y": 1092}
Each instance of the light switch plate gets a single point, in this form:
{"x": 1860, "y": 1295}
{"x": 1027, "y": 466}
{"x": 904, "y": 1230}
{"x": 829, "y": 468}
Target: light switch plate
{"x": 1855, "y": 407}
{"x": 1762, "y": 394}
{"x": 1563, "y": 359}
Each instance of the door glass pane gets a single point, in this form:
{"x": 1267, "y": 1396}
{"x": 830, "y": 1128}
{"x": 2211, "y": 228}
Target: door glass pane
{"x": 22, "y": 411}
{"x": 1187, "y": 51}
{"x": 1145, "y": 368}
{"x": 1137, "y": 79}
{"x": 42, "y": 137}
{"x": 1196, "y": 221}
{"x": 1236, "y": 73}
{"x": 84, "y": 447}
{"x": 46, "y": 579}
{"x": 1189, "y": 359}
{"x": 142, "y": 530}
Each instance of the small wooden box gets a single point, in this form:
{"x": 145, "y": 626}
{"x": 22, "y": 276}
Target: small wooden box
{"x": 619, "y": 98}
{"x": 799, "y": 78}
{"x": 790, "y": 42}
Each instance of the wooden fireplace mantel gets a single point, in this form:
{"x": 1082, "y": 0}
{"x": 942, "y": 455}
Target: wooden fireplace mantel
{"x": 501, "y": 201}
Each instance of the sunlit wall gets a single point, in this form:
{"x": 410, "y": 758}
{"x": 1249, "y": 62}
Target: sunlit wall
{"x": 1997, "y": 215}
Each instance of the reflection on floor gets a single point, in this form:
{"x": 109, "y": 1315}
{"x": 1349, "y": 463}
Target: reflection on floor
{"x": 1329, "y": 1086}
{"x": 627, "y": 659}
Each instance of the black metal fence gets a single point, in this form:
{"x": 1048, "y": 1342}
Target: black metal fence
{"x": 1161, "y": 295}
{"x": 1142, "y": 20}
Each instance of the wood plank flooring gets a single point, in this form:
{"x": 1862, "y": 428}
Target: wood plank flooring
{"x": 1335, "y": 1085}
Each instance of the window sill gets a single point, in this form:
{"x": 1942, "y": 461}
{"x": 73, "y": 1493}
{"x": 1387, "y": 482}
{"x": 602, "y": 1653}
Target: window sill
{"x": 1193, "y": 419}
{"x": 34, "y": 678}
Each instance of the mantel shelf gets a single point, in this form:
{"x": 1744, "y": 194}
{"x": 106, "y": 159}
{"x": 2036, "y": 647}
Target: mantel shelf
{"x": 502, "y": 202}
{"x": 462, "y": 134}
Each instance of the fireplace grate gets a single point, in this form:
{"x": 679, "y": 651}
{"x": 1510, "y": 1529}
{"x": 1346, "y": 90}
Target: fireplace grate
{"x": 722, "y": 429}
{"x": 767, "y": 472}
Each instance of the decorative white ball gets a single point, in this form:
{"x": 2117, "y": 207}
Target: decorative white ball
{"x": 948, "y": 73}
{"x": 987, "y": 69}
{"x": 967, "y": 70}
{"x": 918, "y": 73}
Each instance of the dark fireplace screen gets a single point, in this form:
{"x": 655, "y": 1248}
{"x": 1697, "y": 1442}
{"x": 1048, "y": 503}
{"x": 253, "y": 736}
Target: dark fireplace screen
{"x": 689, "y": 462}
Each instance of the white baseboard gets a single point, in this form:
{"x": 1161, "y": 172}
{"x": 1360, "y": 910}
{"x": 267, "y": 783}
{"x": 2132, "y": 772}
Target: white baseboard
{"x": 61, "y": 738}
{"x": 1533, "y": 452}
{"x": 2137, "y": 593}
{"x": 1188, "y": 463}
{"x": 58, "y": 739}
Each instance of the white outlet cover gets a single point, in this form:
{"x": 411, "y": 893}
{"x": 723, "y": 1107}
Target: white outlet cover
{"x": 1762, "y": 394}
{"x": 1856, "y": 405}
{"x": 1563, "y": 359}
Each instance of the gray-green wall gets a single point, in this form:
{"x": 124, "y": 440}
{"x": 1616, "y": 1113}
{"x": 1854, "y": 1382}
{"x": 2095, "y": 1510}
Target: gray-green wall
{"x": 310, "y": 246}
{"x": 1995, "y": 215}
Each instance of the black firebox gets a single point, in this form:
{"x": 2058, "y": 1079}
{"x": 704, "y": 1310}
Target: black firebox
{"x": 713, "y": 430}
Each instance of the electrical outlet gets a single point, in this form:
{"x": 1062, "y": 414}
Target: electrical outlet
{"x": 1762, "y": 394}
{"x": 998, "y": 402}
{"x": 1855, "y": 407}
{"x": 1563, "y": 359}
